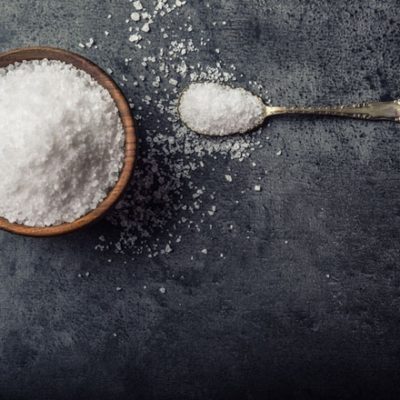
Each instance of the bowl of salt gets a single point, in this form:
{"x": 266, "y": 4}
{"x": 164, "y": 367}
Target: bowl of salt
{"x": 67, "y": 142}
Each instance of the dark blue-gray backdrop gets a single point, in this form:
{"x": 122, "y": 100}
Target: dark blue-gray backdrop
{"x": 308, "y": 308}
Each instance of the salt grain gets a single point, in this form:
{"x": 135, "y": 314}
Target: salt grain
{"x": 135, "y": 38}
{"x": 146, "y": 28}
{"x": 135, "y": 16}
{"x": 138, "y": 5}
{"x": 90, "y": 43}
{"x": 228, "y": 178}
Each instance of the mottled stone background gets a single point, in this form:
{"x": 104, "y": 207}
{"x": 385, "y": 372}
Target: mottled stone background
{"x": 314, "y": 318}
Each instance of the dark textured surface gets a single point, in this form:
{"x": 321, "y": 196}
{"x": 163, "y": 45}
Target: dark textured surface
{"x": 314, "y": 318}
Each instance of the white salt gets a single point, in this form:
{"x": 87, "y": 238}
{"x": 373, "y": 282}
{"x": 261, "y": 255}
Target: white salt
{"x": 218, "y": 110}
{"x": 135, "y": 38}
{"x": 138, "y": 5}
{"x": 146, "y": 27}
{"x": 135, "y": 16}
{"x": 228, "y": 178}
{"x": 61, "y": 143}
{"x": 90, "y": 43}
{"x": 171, "y": 155}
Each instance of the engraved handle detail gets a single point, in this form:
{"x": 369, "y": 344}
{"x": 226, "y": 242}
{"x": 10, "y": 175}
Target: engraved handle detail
{"x": 389, "y": 110}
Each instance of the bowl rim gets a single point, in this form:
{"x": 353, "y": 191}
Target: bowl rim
{"x": 128, "y": 122}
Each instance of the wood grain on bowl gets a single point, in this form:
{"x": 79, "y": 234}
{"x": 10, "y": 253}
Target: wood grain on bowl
{"x": 40, "y": 53}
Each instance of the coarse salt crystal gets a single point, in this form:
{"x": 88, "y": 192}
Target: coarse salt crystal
{"x": 146, "y": 27}
{"x": 90, "y": 43}
{"x": 138, "y": 5}
{"x": 135, "y": 38}
{"x": 135, "y": 16}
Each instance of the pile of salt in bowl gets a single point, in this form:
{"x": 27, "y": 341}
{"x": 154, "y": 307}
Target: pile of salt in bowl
{"x": 61, "y": 143}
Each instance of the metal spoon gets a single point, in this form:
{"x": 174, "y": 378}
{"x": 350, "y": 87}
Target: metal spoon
{"x": 389, "y": 110}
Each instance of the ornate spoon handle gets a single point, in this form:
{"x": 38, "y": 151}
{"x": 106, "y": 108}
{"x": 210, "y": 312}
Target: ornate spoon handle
{"x": 389, "y": 110}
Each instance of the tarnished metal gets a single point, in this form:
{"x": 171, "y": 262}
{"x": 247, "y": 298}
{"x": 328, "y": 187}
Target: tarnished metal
{"x": 389, "y": 110}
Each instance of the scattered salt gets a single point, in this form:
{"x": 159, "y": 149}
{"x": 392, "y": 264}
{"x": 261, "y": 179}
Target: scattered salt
{"x": 157, "y": 200}
{"x": 135, "y": 16}
{"x": 146, "y": 27}
{"x": 135, "y": 38}
{"x": 228, "y": 178}
{"x": 90, "y": 43}
{"x": 138, "y": 5}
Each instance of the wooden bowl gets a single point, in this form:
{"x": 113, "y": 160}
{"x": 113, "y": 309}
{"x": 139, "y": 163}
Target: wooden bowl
{"x": 39, "y": 53}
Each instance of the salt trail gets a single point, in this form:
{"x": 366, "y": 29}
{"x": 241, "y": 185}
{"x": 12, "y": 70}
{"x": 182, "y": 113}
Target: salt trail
{"x": 219, "y": 110}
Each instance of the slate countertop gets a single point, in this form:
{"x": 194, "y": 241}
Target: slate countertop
{"x": 308, "y": 308}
